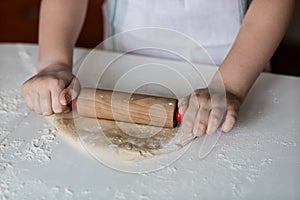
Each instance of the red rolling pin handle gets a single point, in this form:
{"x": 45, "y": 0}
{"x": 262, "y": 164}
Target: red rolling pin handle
{"x": 178, "y": 117}
{"x": 73, "y": 104}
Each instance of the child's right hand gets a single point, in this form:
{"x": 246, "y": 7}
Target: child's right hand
{"x": 50, "y": 91}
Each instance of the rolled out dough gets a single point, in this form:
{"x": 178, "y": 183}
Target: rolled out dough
{"x": 119, "y": 140}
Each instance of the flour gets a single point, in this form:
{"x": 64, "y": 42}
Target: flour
{"x": 11, "y": 102}
{"x": 286, "y": 143}
{"x": 143, "y": 197}
{"x": 274, "y": 96}
{"x": 4, "y": 166}
{"x": 13, "y": 149}
{"x": 40, "y": 149}
{"x": 259, "y": 156}
{"x": 236, "y": 191}
{"x": 9, "y": 149}
{"x": 4, "y": 190}
{"x": 69, "y": 191}
{"x": 118, "y": 195}
{"x": 3, "y": 133}
{"x": 28, "y": 59}
{"x": 171, "y": 170}
{"x": 7, "y": 179}
{"x": 85, "y": 192}
{"x": 12, "y": 110}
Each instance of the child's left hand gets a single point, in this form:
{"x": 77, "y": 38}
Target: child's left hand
{"x": 204, "y": 111}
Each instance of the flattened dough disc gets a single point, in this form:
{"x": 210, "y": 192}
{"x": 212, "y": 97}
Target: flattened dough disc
{"x": 119, "y": 140}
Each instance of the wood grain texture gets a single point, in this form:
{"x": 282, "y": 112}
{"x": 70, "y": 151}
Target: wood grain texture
{"x": 133, "y": 108}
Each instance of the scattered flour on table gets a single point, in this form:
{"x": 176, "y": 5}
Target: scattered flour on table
{"x": 40, "y": 149}
{"x": 4, "y": 183}
{"x": 69, "y": 191}
{"x": 8, "y": 179}
{"x": 143, "y": 197}
{"x": 12, "y": 110}
{"x": 274, "y": 96}
{"x": 4, "y": 166}
{"x": 12, "y": 187}
{"x": 171, "y": 170}
{"x": 128, "y": 194}
{"x": 11, "y": 102}
{"x": 3, "y": 133}
{"x": 14, "y": 150}
{"x": 118, "y": 195}
{"x": 4, "y": 189}
{"x": 10, "y": 149}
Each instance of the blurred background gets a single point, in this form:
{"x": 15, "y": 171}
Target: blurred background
{"x": 19, "y": 23}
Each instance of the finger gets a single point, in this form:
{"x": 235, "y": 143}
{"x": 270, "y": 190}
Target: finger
{"x": 215, "y": 119}
{"x": 183, "y": 105}
{"x": 70, "y": 93}
{"x": 45, "y": 102}
{"x": 230, "y": 120}
{"x": 36, "y": 103}
{"x": 26, "y": 96}
{"x": 201, "y": 121}
{"x": 65, "y": 97}
{"x": 28, "y": 101}
{"x": 56, "y": 106}
{"x": 190, "y": 114}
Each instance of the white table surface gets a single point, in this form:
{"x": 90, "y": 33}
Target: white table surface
{"x": 259, "y": 159}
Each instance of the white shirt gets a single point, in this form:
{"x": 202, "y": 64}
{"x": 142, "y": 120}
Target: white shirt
{"x": 212, "y": 25}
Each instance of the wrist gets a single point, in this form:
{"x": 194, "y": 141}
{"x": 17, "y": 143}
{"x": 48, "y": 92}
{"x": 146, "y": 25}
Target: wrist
{"x": 238, "y": 92}
{"x": 229, "y": 85}
{"x": 54, "y": 67}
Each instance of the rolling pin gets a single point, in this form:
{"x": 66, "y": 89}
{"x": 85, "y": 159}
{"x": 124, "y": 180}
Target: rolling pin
{"x": 126, "y": 107}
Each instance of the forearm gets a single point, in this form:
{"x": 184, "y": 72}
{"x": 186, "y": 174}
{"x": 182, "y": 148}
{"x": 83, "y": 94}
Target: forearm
{"x": 261, "y": 32}
{"x": 59, "y": 27}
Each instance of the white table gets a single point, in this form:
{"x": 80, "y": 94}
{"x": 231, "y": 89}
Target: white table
{"x": 259, "y": 159}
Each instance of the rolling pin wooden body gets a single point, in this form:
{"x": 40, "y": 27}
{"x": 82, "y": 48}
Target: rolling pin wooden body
{"x": 133, "y": 108}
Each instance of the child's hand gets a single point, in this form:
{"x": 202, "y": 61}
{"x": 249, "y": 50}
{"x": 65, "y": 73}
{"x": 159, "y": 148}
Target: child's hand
{"x": 50, "y": 91}
{"x": 204, "y": 112}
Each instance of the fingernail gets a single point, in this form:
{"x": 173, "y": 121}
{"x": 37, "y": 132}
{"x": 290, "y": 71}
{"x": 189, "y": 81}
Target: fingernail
{"x": 209, "y": 131}
{"x": 57, "y": 109}
{"x": 68, "y": 98}
{"x": 180, "y": 110}
{"x": 225, "y": 128}
{"x": 46, "y": 113}
{"x": 195, "y": 131}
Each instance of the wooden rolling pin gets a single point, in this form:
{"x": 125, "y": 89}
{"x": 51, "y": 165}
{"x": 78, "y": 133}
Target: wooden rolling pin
{"x": 133, "y": 108}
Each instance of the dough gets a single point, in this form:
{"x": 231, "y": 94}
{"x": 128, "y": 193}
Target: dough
{"x": 119, "y": 140}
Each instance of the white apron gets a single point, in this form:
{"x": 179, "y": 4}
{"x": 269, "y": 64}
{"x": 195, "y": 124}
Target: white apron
{"x": 212, "y": 24}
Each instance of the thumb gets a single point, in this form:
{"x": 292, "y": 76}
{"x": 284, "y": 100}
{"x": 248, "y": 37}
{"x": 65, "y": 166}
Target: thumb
{"x": 70, "y": 93}
{"x": 183, "y": 104}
